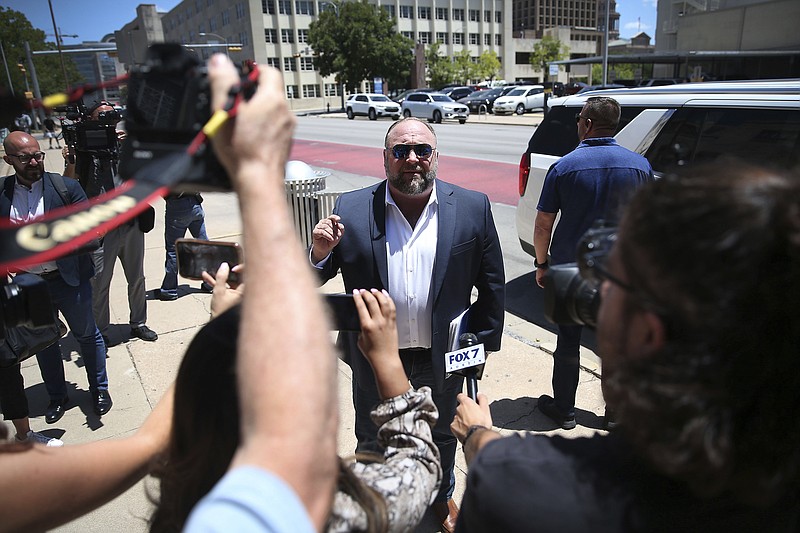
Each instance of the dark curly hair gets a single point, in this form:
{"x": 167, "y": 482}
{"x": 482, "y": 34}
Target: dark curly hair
{"x": 718, "y": 250}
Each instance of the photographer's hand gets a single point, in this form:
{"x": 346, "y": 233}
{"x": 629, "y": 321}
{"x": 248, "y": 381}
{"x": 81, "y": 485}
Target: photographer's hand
{"x": 224, "y": 296}
{"x": 69, "y": 162}
{"x": 378, "y": 341}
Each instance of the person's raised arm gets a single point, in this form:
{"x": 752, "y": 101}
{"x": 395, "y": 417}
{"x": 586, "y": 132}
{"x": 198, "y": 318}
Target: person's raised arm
{"x": 287, "y": 365}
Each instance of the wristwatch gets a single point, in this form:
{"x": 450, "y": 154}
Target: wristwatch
{"x": 540, "y": 265}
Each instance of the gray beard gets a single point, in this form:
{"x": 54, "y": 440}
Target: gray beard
{"x": 415, "y": 186}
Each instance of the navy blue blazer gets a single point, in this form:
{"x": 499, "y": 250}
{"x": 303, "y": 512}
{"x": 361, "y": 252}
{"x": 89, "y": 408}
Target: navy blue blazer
{"x": 73, "y": 268}
{"x": 468, "y": 255}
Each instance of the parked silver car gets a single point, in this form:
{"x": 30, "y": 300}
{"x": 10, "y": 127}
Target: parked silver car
{"x": 435, "y": 107}
{"x": 372, "y": 105}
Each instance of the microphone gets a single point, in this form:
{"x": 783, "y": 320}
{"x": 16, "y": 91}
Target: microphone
{"x": 467, "y": 361}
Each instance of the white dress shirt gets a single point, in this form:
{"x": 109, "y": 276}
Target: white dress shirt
{"x": 410, "y": 255}
{"x": 26, "y": 206}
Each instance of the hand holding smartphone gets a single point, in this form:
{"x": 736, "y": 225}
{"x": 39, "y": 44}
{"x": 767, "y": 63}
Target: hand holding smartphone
{"x": 196, "y": 256}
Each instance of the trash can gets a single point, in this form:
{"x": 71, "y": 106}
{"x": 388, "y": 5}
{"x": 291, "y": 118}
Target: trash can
{"x": 302, "y": 185}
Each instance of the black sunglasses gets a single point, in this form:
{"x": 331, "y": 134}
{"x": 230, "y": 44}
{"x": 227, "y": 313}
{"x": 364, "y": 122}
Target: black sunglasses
{"x": 401, "y": 151}
{"x": 578, "y": 117}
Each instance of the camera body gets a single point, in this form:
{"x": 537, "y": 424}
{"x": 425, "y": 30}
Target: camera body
{"x": 96, "y": 137}
{"x": 569, "y": 299}
{"x": 25, "y": 301}
{"x": 169, "y": 102}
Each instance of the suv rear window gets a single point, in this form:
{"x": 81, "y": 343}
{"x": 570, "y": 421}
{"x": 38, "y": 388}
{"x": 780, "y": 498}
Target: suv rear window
{"x": 558, "y": 134}
{"x": 768, "y": 137}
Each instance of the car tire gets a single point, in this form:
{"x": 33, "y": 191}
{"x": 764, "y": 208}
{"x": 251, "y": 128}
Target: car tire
{"x": 520, "y": 110}
{"x": 437, "y": 117}
{"x": 350, "y": 114}
{"x": 372, "y": 115}
{"x": 462, "y": 121}
{"x": 395, "y": 117}
{"x": 406, "y": 113}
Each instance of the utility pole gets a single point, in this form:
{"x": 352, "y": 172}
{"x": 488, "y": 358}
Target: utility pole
{"x": 58, "y": 45}
{"x": 605, "y": 43}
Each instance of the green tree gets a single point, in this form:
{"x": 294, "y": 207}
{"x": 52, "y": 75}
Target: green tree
{"x": 546, "y": 50}
{"x": 488, "y": 65}
{"x": 441, "y": 69}
{"x": 358, "y": 41}
{"x": 15, "y": 30}
{"x": 465, "y": 69}
{"x": 621, "y": 71}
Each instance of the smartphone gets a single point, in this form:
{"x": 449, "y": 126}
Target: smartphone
{"x": 196, "y": 256}
{"x": 343, "y": 312}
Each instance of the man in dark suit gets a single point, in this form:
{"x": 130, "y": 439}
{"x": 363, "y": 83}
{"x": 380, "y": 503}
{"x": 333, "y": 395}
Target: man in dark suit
{"x": 28, "y": 195}
{"x": 429, "y": 243}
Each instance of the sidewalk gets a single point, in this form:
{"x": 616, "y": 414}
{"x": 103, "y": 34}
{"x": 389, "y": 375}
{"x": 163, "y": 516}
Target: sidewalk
{"x": 139, "y": 372}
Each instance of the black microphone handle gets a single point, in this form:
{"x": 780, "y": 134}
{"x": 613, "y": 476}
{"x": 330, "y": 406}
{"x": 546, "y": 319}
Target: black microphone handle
{"x": 472, "y": 385}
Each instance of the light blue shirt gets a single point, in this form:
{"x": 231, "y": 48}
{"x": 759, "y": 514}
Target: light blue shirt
{"x": 249, "y": 499}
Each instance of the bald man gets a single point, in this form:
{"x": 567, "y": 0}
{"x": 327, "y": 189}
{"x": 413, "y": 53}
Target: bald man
{"x": 25, "y": 196}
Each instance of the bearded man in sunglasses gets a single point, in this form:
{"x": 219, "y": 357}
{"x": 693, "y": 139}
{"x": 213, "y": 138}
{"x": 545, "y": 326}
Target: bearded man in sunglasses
{"x": 587, "y": 184}
{"x": 429, "y": 243}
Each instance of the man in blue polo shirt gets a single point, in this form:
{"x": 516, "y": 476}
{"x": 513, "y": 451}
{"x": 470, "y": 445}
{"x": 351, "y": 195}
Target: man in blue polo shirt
{"x": 592, "y": 182}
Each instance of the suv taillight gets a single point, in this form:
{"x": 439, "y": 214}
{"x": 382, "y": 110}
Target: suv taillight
{"x": 524, "y": 172}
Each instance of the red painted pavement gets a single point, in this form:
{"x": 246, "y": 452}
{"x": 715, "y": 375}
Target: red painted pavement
{"x": 497, "y": 180}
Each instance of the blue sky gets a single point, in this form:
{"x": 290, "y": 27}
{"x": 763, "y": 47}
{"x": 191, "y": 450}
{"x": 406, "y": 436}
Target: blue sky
{"x": 92, "y": 19}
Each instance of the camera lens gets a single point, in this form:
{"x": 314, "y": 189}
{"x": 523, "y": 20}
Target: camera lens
{"x": 569, "y": 299}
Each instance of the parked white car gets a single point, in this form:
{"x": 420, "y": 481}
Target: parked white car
{"x": 521, "y": 99}
{"x": 371, "y": 105}
{"x": 673, "y": 125}
{"x": 435, "y": 107}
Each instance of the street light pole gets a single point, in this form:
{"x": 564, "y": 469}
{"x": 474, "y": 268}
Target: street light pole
{"x": 209, "y": 34}
{"x": 58, "y": 45}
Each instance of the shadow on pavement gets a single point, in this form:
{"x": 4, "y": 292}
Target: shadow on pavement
{"x": 526, "y": 300}
{"x": 518, "y": 414}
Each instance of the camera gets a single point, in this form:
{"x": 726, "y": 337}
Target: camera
{"x": 82, "y": 134}
{"x": 25, "y": 301}
{"x": 572, "y": 290}
{"x": 569, "y": 299}
{"x": 169, "y": 102}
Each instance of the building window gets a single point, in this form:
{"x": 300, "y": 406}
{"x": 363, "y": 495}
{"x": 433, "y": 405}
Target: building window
{"x": 268, "y": 7}
{"x": 389, "y": 10}
{"x": 331, "y": 89}
{"x": 210, "y": 2}
{"x": 212, "y": 24}
{"x": 311, "y": 91}
{"x": 226, "y": 17}
{"x": 198, "y": 5}
{"x": 306, "y": 63}
{"x": 289, "y": 64}
{"x": 244, "y": 38}
{"x": 458, "y": 38}
{"x": 302, "y": 36}
{"x": 498, "y": 17}
{"x": 487, "y": 16}
{"x": 240, "y": 10}
{"x": 424, "y": 37}
{"x": 406, "y": 12}
{"x": 474, "y": 38}
{"x": 287, "y": 36}
{"x": 487, "y": 39}
{"x": 291, "y": 92}
{"x": 441, "y": 13}
{"x": 498, "y": 39}
{"x": 285, "y": 7}
{"x": 270, "y": 35}
{"x": 442, "y": 37}
{"x": 274, "y": 62}
{"x": 474, "y": 15}
{"x": 304, "y": 7}
{"x": 458, "y": 14}
{"x": 424, "y": 12}
{"x": 408, "y": 34}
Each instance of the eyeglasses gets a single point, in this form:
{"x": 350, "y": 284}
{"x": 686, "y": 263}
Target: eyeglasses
{"x": 26, "y": 158}
{"x": 401, "y": 151}
{"x": 578, "y": 117}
